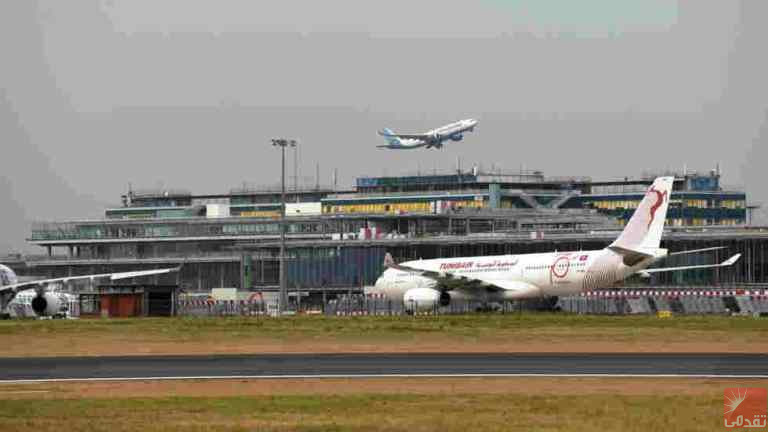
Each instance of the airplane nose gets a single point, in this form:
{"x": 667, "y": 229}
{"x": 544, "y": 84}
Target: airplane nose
{"x": 380, "y": 282}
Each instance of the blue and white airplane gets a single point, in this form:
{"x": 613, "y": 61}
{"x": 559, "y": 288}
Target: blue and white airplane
{"x": 433, "y": 138}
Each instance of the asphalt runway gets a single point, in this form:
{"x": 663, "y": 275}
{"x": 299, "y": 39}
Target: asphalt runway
{"x": 380, "y": 365}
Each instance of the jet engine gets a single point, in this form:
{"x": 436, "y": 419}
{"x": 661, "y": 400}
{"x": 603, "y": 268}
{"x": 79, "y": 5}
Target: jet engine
{"x": 457, "y": 137}
{"x": 49, "y": 304}
{"x": 445, "y": 298}
{"x": 421, "y": 299}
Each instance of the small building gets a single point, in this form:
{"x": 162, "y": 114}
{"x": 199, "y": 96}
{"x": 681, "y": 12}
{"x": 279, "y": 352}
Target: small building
{"x": 122, "y": 301}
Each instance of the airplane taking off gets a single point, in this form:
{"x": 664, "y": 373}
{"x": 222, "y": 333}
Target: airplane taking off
{"x": 424, "y": 284}
{"x": 434, "y": 138}
{"x": 51, "y": 303}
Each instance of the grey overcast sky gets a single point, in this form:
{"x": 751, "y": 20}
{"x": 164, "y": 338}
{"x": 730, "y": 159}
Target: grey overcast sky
{"x": 97, "y": 94}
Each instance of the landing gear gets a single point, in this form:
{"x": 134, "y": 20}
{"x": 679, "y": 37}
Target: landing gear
{"x": 486, "y": 307}
{"x": 544, "y": 304}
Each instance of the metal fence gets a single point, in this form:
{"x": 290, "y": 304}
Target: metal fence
{"x": 751, "y": 302}
{"x": 225, "y": 308}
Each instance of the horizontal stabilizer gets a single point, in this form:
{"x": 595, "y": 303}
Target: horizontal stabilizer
{"x": 629, "y": 252}
{"x": 697, "y": 250}
{"x": 729, "y": 262}
{"x": 630, "y": 257}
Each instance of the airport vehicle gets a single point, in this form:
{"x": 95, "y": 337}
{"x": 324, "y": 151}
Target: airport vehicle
{"x": 424, "y": 284}
{"x": 433, "y": 138}
{"x": 48, "y": 302}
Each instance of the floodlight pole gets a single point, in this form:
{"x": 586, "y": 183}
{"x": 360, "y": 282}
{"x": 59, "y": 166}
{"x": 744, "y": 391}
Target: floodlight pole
{"x": 283, "y": 298}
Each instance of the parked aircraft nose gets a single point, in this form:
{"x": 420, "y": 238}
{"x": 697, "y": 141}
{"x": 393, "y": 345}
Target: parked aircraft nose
{"x": 381, "y": 284}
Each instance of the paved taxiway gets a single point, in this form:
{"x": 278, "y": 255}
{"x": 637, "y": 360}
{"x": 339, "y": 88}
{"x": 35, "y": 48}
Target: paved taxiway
{"x": 367, "y": 365}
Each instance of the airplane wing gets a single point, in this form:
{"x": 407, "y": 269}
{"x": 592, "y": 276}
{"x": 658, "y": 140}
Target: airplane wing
{"x": 112, "y": 276}
{"x": 729, "y": 262}
{"x": 440, "y": 277}
{"x": 449, "y": 280}
{"x": 697, "y": 250}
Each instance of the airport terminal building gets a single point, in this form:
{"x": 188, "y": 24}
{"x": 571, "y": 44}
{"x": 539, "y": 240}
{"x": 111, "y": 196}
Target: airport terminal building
{"x": 337, "y": 239}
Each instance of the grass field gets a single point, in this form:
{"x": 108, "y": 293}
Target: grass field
{"x": 472, "y": 333}
{"x": 370, "y": 405}
{"x": 376, "y": 404}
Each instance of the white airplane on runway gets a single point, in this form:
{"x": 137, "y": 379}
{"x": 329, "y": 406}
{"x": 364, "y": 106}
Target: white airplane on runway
{"x": 434, "y": 138}
{"x": 423, "y": 284}
{"x": 52, "y": 303}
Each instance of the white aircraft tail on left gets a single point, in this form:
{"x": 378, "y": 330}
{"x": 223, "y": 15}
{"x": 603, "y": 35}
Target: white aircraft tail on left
{"x": 48, "y": 303}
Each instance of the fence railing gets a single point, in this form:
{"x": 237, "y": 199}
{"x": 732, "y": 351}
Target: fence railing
{"x": 625, "y": 302}
{"x": 731, "y": 301}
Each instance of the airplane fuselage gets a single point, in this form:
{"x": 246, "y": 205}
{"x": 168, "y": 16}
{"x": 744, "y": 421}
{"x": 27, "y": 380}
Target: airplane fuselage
{"x": 453, "y": 130}
{"x": 522, "y": 276}
{"x": 432, "y": 138}
{"x": 406, "y": 144}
